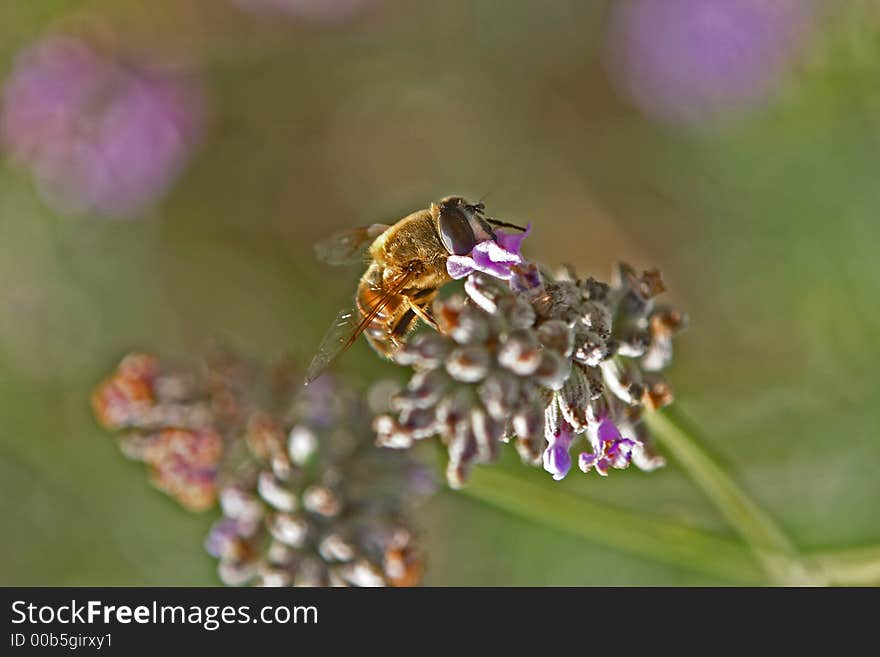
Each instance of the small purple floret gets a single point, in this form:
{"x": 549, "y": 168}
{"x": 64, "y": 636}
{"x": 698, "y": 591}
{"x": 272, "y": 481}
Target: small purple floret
{"x": 587, "y": 462}
{"x": 526, "y": 279}
{"x": 224, "y": 533}
{"x": 496, "y": 257}
{"x": 557, "y": 460}
{"x": 612, "y": 450}
{"x": 608, "y": 431}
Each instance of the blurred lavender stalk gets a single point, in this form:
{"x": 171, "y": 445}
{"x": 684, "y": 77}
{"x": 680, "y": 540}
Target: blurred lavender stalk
{"x": 306, "y": 498}
{"x": 99, "y": 135}
{"x": 696, "y": 61}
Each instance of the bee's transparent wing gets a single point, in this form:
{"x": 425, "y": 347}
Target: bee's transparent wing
{"x": 341, "y": 334}
{"x": 348, "y": 246}
{"x": 348, "y": 325}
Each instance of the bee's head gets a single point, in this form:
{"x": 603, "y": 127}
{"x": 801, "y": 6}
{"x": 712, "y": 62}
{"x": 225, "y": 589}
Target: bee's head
{"x": 460, "y": 224}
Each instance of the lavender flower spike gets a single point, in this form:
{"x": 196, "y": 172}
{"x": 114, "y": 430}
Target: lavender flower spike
{"x": 306, "y": 498}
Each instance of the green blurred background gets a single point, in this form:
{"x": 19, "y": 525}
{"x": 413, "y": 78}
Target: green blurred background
{"x": 764, "y": 224}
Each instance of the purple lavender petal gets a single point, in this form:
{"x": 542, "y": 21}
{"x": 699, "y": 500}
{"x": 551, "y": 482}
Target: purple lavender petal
{"x": 620, "y": 453}
{"x": 526, "y": 278}
{"x": 484, "y": 263}
{"x": 512, "y": 242}
{"x": 608, "y": 431}
{"x": 557, "y": 461}
{"x": 460, "y": 266}
{"x": 586, "y": 461}
{"x": 598, "y": 462}
{"x": 494, "y": 252}
{"x": 221, "y": 537}
{"x": 494, "y": 257}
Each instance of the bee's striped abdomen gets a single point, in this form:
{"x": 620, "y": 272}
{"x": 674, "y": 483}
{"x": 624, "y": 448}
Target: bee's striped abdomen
{"x": 384, "y": 331}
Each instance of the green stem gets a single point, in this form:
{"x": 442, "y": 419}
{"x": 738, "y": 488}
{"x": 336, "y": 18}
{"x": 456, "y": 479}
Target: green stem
{"x": 777, "y": 554}
{"x": 636, "y": 533}
{"x": 656, "y": 539}
{"x": 850, "y": 567}
{"x": 768, "y": 550}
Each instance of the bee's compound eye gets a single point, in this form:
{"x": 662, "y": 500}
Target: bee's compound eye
{"x": 455, "y": 230}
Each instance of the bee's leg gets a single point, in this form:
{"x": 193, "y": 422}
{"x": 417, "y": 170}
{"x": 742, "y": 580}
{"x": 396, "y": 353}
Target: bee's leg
{"x": 420, "y": 304}
{"x": 404, "y": 323}
{"x": 425, "y": 313}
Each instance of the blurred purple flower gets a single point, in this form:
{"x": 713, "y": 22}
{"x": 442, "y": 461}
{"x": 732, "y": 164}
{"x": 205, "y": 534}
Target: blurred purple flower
{"x": 223, "y": 537}
{"x": 496, "y": 257}
{"x": 317, "y": 11}
{"x": 97, "y": 135}
{"x": 690, "y": 61}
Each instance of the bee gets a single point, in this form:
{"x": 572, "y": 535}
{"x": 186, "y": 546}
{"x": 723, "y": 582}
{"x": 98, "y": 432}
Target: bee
{"x": 406, "y": 269}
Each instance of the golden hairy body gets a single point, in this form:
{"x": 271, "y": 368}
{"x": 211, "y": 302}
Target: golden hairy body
{"x": 410, "y": 251}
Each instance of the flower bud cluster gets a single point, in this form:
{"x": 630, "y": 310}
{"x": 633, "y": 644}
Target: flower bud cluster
{"x": 540, "y": 361}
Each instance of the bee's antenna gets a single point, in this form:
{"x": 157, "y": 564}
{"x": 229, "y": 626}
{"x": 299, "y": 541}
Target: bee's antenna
{"x": 504, "y": 224}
